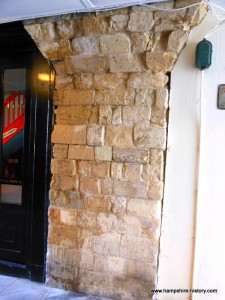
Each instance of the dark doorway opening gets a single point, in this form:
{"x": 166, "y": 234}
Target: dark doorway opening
{"x": 25, "y": 152}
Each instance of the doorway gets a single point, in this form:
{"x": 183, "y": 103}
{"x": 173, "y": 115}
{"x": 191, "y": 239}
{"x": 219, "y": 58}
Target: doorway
{"x": 25, "y": 151}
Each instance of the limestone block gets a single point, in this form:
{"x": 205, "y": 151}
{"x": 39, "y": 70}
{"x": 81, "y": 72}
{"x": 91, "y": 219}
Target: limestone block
{"x": 86, "y": 219}
{"x": 130, "y": 155}
{"x": 175, "y": 15}
{"x": 119, "y": 136}
{"x": 141, "y": 21}
{"x": 86, "y": 260}
{"x": 116, "y": 170}
{"x": 143, "y": 271}
{"x": 159, "y": 116}
{"x": 155, "y": 190}
{"x": 63, "y": 166}
{"x": 177, "y": 40}
{"x": 48, "y": 32}
{"x": 81, "y": 152}
{"x": 63, "y": 81}
{"x": 90, "y": 25}
{"x": 69, "y": 134}
{"x": 107, "y": 244}
{"x": 62, "y": 216}
{"x": 95, "y": 135}
{"x": 65, "y": 29}
{"x": 144, "y": 97}
{"x": 167, "y": 26}
{"x": 130, "y": 225}
{"x": 147, "y": 81}
{"x": 160, "y": 61}
{"x": 77, "y": 115}
{"x": 62, "y": 182}
{"x": 132, "y": 172}
{"x": 35, "y": 31}
{"x": 115, "y": 43}
{"x": 90, "y": 185}
{"x": 60, "y": 151}
{"x": 144, "y": 208}
{"x": 103, "y": 153}
{"x": 105, "y": 115}
{"x": 184, "y": 3}
{"x": 117, "y": 115}
{"x": 60, "y": 67}
{"x": 141, "y": 41}
{"x": 162, "y": 98}
{"x": 87, "y": 64}
{"x": 115, "y": 97}
{"x": 107, "y": 222}
{"x": 82, "y": 81}
{"x": 74, "y": 97}
{"x": 116, "y": 266}
{"x": 130, "y": 189}
{"x": 136, "y": 115}
{"x": 126, "y": 62}
{"x": 100, "y": 169}
{"x": 109, "y": 81}
{"x": 97, "y": 203}
{"x": 55, "y": 50}
{"x": 107, "y": 186}
{"x": 83, "y": 167}
{"x": 119, "y": 22}
{"x": 85, "y": 45}
{"x": 119, "y": 204}
{"x": 63, "y": 236}
{"x": 149, "y": 137}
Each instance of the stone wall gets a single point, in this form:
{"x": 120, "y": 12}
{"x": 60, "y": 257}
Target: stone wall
{"x": 111, "y": 105}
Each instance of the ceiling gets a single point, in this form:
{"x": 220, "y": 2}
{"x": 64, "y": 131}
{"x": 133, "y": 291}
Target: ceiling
{"x": 15, "y": 10}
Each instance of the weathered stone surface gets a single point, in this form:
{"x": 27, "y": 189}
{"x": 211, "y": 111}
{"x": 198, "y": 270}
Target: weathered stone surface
{"x": 115, "y": 43}
{"x": 55, "y": 50}
{"x": 141, "y": 21}
{"x": 119, "y": 136}
{"x": 160, "y": 61}
{"x": 74, "y": 97}
{"x": 116, "y": 170}
{"x": 132, "y": 171}
{"x": 177, "y": 40}
{"x": 100, "y": 169}
{"x": 60, "y": 67}
{"x": 69, "y": 134}
{"x": 141, "y": 41}
{"x": 155, "y": 190}
{"x": 62, "y": 216}
{"x": 90, "y": 185}
{"x": 65, "y": 29}
{"x": 147, "y": 81}
{"x": 95, "y": 135}
{"x": 126, "y": 62}
{"x": 115, "y": 97}
{"x": 83, "y": 81}
{"x": 63, "y": 81}
{"x": 103, "y": 153}
{"x": 130, "y": 155}
{"x": 86, "y": 64}
{"x": 97, "y": 203}
{"x": 85, "y": 45}
{"x": 162, "y": 98}
{"x": 63, "y": 236}
{"x": 107, "y": 244}
{"x": 60, "y": 151}
{"x": 63, "y": 166}
{"x": 81, "y": 152}
{"x": 35, "y": 31}
{"x": 144, "y": 97}
{"x": 117, "y": 115}
{"x": 119, "y": 22}
{"x": 107, "y": 186}
{"x": 105, "y": 115}
{"x": 159, "y": 116}
{"x": 89, "y": 25}
{"x": 144, "y": 208}
{"x": 62, "y": 182}
{"x": 130, "y": 189}
{"x": 109, "y": 81}
{"x": 136, "y": 115}
{"x": 149, "y": 137}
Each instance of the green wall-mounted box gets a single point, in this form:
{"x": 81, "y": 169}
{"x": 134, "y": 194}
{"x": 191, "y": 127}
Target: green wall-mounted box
{"x": 203, "y": 55}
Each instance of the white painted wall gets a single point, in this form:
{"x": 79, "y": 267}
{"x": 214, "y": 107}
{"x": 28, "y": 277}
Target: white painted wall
{"x": 180, "y": 267}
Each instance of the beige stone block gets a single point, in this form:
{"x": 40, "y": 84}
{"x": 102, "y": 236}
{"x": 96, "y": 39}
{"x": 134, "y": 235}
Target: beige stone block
{"x": 144, "y": 97}
{"x": 141, "y": 41}
{"x": 62, "y": 236}
{"x": 86, "y": 219}
{"x": 34, "y": 31}
{"x": 110, "y": 81}
{"x": 67, "y": 217}
{"x": 55, "y": 50}
{"x": 116, "y": 170}
{"x": 115, "y": 97}
{"x": 126, "y": 62}
{"x": 86, "y": 260}
{"x": 175, "y": 15}
{"x": 177, "y": 40}
{"x": 146, "y": 80}
{"x": 74, "y": 97}
{"x": 155, "y": 190}
{"x": 62, "y": 182}
{"x": 90, "y": 25}
{"x": 69, "y": 199}
{"x": 86, "y": 64}
{"x": 48, "y": 32}
{"x": 97, "y": 203}
{"x": 60, "y": 67}
{"x": 119, "y": 136}
{"x": 143, "y": 208}
{"x": 115, "y": 43}
{"x": 159, "y": 116}
{"x": 119, "y": 22}
{"x": 85, "y": 45}
{"x": 185, "y": 3}
{"x": 106, "y": 244}
{"x": 149, "y": 137}
{"x": 143, "y": 271}
{"x": 100, "y": 169}
{"x": 129, "y": 225}
{"x": 76, "y": 115}
{"x": 95, "y": 135}
{"x": 107, "y": 186}
{"x": 136, "y": 115}
{"x": 141, "y": 21}
{"x": 103, "y": 153}
{"x": 65, "y": 29}
{"x": 116, "y": 265}
{"x": 81, "y": 152}
{"x": 63, "y": 166}
{"x": 130, "y": 189}
{"x": 162, "y": 96}
{"x": 62, "y": 82}
{"x": 166, "y": 26}
{"x": 69, "y": 134}
{"x": 117, "y": 115}
{"x": 130, "y": 155}
{"x": 83, "y": 81}
{"x": 105, "y": 115}
{"x": 160, "y": 61}
{"x": 60, "y": 151}
{"x": 83, "y": 167}
{"x": 119, "y": 204}
{"x": 90, "y": 185}
{"x": 132, "y": 172}
{"x": 107, "y": 222}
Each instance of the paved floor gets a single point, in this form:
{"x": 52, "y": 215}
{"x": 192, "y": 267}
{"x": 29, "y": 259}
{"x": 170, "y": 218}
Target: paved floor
{"x": 12, "y": 288}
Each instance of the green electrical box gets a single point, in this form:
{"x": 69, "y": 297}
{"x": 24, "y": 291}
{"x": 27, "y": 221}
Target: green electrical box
{"x": 203, "y": 55}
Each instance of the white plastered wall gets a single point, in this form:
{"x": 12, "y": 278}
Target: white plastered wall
{"x": 189, "y": 256}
